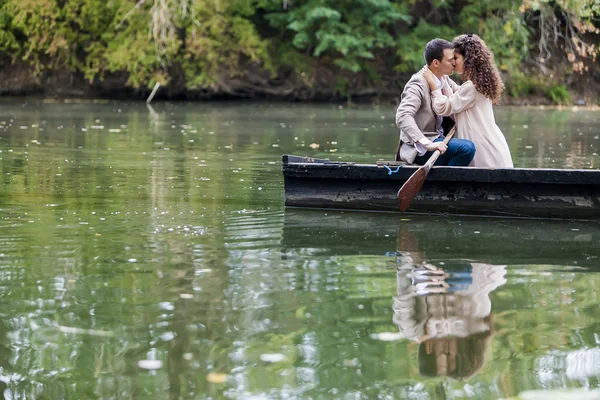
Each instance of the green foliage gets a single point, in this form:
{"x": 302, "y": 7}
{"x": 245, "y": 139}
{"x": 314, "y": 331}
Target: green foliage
{"x": 520, "y": 86}
{"x": 217, "y": 48}
{"x": 411, "y": 46}
{"x": 559, "y": 94}
{"x": 95, "y": 37}
{"x": 498, "y": 22}
{"x": 347, "y": 31}
{"x": 8, "y": 41}
{"x": 508, "y": 38}
{"x": 209, "y": 43}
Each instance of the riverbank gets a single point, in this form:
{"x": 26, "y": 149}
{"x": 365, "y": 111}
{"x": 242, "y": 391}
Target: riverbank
{"x": 22, "y": 81}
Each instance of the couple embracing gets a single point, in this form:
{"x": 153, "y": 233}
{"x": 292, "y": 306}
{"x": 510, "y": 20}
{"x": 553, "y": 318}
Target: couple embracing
{"x": 431, "y": 104}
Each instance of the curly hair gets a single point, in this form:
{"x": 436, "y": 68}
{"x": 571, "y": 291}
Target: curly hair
{"x": 479, "y": 66}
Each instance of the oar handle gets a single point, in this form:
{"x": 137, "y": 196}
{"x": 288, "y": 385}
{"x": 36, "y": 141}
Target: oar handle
{"x": 436, "y": 153}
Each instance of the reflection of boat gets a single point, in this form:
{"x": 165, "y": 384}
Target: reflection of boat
{"x": 544, "y": 193}
{"x": 493, "y": 241}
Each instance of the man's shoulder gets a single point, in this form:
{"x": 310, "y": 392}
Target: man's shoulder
{"x": 417, "y": 80}
{"x": 418, "y": 77}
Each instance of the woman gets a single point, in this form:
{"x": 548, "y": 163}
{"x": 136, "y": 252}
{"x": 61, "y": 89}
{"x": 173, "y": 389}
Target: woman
{"x": 472, "y": 103}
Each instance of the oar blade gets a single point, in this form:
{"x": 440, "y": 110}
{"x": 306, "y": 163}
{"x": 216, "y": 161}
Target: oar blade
{"x": 411, "y": 187}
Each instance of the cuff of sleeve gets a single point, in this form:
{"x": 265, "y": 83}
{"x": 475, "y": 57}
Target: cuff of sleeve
{"x": 437, "y": 92}
{"x": 420, "y": 146}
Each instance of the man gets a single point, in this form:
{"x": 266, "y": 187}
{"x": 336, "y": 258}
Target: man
{"x": 421, "y": 130}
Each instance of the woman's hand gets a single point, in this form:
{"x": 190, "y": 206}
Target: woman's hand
{"x": 428, "y": 75}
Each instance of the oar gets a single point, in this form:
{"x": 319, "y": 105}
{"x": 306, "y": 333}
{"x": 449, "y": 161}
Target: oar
{"x": 413, "y": 185}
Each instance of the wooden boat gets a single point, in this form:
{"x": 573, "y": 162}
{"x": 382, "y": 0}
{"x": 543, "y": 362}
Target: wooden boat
{"x": 515, "y": 192}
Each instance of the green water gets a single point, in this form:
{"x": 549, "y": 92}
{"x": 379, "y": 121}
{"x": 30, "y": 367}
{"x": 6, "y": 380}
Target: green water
{"x": 146, "y": 254}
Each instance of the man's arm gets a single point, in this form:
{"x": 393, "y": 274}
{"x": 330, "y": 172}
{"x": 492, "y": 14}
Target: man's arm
{"x": 405, "y": 114}
{"x": 405, "y": 118}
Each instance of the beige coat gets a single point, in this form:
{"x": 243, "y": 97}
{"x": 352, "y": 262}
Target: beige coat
{"x": 415, "y": 116}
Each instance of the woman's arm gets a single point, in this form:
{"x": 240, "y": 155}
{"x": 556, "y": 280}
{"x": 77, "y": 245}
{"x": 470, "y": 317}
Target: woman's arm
{"x": 460, "y": 100}
{"x": 428, "y": 75}
{"x": 452, "y": 84}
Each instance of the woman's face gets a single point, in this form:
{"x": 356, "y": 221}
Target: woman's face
{"x": 459, "y": 61}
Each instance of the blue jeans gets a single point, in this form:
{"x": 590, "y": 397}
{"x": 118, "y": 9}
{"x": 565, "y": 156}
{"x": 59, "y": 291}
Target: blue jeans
{"x": 460, "y": 153}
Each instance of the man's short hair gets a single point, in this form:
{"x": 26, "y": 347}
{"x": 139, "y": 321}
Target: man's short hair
{"x": 434, "y": 50}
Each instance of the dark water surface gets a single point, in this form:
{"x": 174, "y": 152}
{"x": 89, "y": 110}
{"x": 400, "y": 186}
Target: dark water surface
{"x": 146, "y": 254}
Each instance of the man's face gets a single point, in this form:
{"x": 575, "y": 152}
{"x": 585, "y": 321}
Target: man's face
{"x": 447, "y": 64}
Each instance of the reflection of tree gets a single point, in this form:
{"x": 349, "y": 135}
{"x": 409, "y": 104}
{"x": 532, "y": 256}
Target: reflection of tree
{"x": 446, "y": 310}
{"x": 95, "y": 201}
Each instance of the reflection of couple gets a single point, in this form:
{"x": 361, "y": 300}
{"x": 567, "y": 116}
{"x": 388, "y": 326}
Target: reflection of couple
{"x": 447, "y": 311}
{"x": 431, "y": 102}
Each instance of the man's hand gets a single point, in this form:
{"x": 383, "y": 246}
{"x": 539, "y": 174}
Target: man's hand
{"x": 441, "y": 146}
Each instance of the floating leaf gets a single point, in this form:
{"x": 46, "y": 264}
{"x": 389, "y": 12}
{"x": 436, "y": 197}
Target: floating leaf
{"x": 272, "y": 358}
{"x": 215, "y": 377}
{"x": 150, "y": 364}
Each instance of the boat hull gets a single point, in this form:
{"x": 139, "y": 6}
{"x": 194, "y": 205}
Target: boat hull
{"x": 516, "y": 192}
